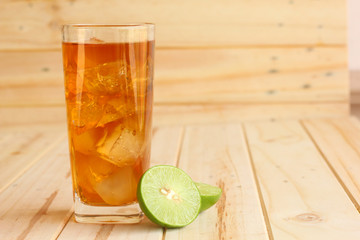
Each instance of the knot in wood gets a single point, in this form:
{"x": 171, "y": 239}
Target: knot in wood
{"x": 308, "y": 217}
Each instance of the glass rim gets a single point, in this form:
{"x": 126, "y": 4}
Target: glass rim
{"x": 118, "y": 26}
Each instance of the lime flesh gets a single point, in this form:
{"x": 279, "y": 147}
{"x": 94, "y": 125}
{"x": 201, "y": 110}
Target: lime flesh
{"x": 209, "y": 195}
{"x": 168, "y": 196}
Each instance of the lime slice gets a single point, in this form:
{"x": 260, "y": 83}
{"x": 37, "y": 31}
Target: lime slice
{"x": 209, "y": 195}
{"x": 168, "y": 196}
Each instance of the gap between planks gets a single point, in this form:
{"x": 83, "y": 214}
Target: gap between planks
{"x": 178, "y": 155}
{"x": 164, "y": 234}
{"x": 178, "y": 151}
{"x": 332, "y": 169}
{"x": 261, "y": 198}
{"x": 66, "y": 220}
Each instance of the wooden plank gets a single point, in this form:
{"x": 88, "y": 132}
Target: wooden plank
{"x": 271, "y": 88}
{"x": 338, "y": 140}
{"x": 196, "y": 76}
{"x": 217, "y": 154}
{"x": 284, "y": 87}
{"x": 28, "y": 116}
{"x": 29, "y": 25}
{"x": 31, "y": 78}
{"x": 303, "y": 198}
{"x": 165, "y": 147}
{"x": 37, "y": 205}
{"x": 31, "y": 68}
{"x": 21, "y": 150}
{"x": 166, "y": 144}
{"x": 180, "y": 114}
{"x": 219, "y": 113}
{"x": 353, "y": 34}
{"x": 251, "y": 75}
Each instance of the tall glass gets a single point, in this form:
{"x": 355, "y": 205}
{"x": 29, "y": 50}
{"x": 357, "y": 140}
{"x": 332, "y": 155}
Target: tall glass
{"x": 108, "y": 87}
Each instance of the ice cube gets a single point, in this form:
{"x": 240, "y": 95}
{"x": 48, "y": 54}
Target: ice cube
{"x": 83, "y": 177}
{"x": 86, "y": 142}
{"x": 85, "y": 111}
{"x": 119, "y": 188}
{"x": 100, "y": 168}
{"x": 114, "y": 109}
{"x": 122, "y": 147}
{"x": 91, "y": 170}
{"x": 106, "y": 79}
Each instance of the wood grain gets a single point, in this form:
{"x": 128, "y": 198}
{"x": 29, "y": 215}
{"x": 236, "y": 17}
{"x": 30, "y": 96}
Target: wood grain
{"x": 36, "y": 24}
{"x": 220, "y": 113}
{"x": 303, "y": 198}
{"x": 22, "y": 149}
{"x": 338, "y": 140}
{"x": 31, "y": 78}
{"x": 28, "y": 116}
{"x": 196, "y": 76}
{"x": 251, "y": 75}
{"x": 166, "y": 145}
{"x": 37, "y": 205}
{"x": 217, "y": 155}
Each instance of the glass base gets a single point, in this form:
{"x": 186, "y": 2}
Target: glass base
{"x": 128, "y": 214}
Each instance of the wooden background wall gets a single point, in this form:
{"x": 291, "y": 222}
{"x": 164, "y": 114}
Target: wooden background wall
{"x": 215, "y": 60}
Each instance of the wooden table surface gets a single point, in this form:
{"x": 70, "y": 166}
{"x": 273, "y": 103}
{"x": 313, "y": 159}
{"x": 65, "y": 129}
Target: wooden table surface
{"x": 281, "y": 179}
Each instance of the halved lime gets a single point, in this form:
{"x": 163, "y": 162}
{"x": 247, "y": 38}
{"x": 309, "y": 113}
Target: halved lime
{"x": 168, "y": 196}
{"x": 209, "y": 195}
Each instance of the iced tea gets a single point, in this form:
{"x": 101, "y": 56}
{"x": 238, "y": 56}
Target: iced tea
{"x": 108, "y": 88}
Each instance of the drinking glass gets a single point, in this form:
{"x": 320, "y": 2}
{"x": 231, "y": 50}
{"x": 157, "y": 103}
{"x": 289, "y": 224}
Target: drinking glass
{"x": 108, "y": 73}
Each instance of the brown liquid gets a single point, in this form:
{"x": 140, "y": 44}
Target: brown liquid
{"x": 108, "y": 90}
